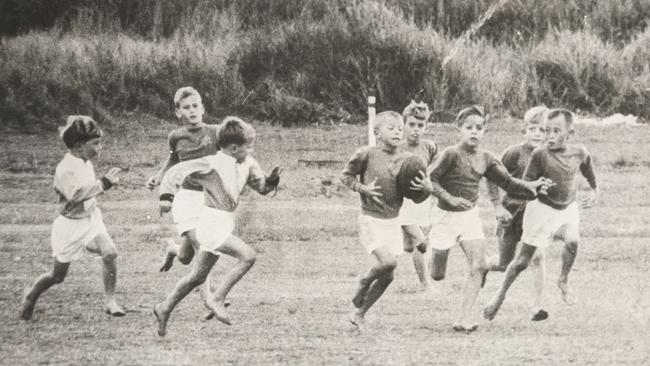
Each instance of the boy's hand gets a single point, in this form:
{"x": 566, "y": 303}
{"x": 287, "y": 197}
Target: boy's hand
{"x": 112, "y": 175}
{"x": 422, "y": 247}
{"x": 152, "y": 182}
{"x": 504, "y": 217}
{"x": 422, "y": 183}
{"x": 165, "y": 206}
{"x": 274, "y": 178}
{"x": 459, "y": 202}
{"x": 588, "y": 200}
{"x": 542, "y": 185}
{"x": 371, "y": 190}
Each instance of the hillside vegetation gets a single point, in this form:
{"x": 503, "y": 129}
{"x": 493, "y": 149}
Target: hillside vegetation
{"x": 297, "y": 62}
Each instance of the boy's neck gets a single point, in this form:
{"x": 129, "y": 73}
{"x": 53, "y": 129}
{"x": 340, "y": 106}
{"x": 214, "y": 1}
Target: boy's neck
{"x": 469, "y": 148}
{"x": 194, "y": 127}
{"x": 413, "y": 142}
{"x": 77, "y": 154}
{"x": 385, "y": 147}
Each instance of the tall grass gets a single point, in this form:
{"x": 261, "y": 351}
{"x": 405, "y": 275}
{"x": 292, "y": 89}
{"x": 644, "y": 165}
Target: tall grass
{"x": 305, "y": 61}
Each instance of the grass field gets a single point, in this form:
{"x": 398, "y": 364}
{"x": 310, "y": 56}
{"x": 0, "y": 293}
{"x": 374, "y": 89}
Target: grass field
{"x": 293, "y": 305}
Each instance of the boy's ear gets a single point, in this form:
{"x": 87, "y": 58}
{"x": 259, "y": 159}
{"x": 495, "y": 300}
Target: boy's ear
{"x": 177, "y": 112}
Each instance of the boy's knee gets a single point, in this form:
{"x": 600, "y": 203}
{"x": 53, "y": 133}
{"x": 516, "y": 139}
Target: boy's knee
{"x": 520, "y": 264}
{"x": 249, "y": 256}
{"x": 185, "y": 258}
{"x": 572, "y": 247}
{"x": 437, "y": 276}
{"x": 388, "y": 266}
{"x": 109, "y": 255}
{"x": 58, "y": 277}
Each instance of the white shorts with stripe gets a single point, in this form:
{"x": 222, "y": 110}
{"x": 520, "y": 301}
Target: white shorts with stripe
{"x": 186, "y": 209}
{"x": 542, "y": 224}
{"x": 375, "y": 233}
{"x": 71, "y": 236}
{"x": 214, "y": 227}
{"x": 449, "y": 228}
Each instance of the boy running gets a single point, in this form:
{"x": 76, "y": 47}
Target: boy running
{"x": 379, "y": 230}
{"x": 553, "y": 216}
{"x": 454, "y": 179}
{"x": 510, "y": 210}
{"x": 415, "y": 218}
{"x": 79, "y": 225}
{"x": 223, "y": 177}
{"x": 194, "y": 140}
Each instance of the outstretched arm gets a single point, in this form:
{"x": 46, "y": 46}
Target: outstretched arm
{"x": 69, "y": 187}
{"x": 588, "y": 171}
{"x": 260, "y": 182}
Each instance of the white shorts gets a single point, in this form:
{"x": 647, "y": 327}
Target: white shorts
{"x": 543, "y": 224}
{"x": 186, "y": 209}
{"x": 215, "y": 226}
{"x": 413, "y": 213}
{"x": 71, "y": 236}
{"x": 377, "y": 233}
{"x": 449, "y": 228}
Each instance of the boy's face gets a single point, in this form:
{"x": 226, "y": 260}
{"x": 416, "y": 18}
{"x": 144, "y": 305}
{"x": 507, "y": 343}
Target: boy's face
{"x": 557, "y": 132}
{"x": 472, "y": 131}
{"x": 190, "y": 111}
{"x": 240, "y": 152}
{"x": 90, "y": 149}
{"x": 414, "y": 129}
{"x": 535, "y": 134}
{"x": 391, "y": 132}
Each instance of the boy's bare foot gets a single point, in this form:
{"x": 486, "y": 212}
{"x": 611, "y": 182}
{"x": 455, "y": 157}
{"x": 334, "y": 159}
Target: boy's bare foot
{"x": 210, "y": 314}
{"x": 358, "y": 321}
{"x": 162, "y": 320}
{"x": 170, "y": 254}
{"x": 567, "y": 296}
{"x": 539, "y": 315}
{"x": 219, "y": 312}
{"x": 492, "y": 308}
{"x": 467, "y": 328}
{"x": 112, "y": 308}
{"x": 360, "y": 296}
{"x": 27, "y": 307}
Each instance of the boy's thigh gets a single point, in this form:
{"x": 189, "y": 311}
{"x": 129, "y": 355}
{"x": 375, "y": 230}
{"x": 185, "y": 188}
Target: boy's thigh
{"x": 102, "y": 244}
{"x": 377, "y": 233}
{"x": 186, "y": 210}
{"x": 569, "y": 231}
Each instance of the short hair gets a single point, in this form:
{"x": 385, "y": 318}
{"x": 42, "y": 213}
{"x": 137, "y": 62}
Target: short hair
{"x": 183, "y": 93}
{"x": 78, "y": 130}
{"x": 386, "y": 116}
{"x": 535, "y": 115}
{"x": 419, "y": 111}
{"x": 235, "y": 131}
{"x": 231, "y": 118}
{"x": 475, "y": 110}
{"x": 556, "y": 112}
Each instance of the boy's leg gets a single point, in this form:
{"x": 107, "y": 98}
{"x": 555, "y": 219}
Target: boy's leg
{"x": 439, "y": 263}
{"x": 538, "y": 268}
{"x": 202, "y": 266}
{"x": 103, "y": 245}
{"x": 42, "y": 283}
{"x": 569, "y": 253}
{"x": 373, "y": 283}
{"x": 475, "y": 253}
{"x": 246, "y": 256}
{"x": 507, "y": 248}
{"x": 414, "y": 235}
{"x": 183, "y": 251}
{"x": 514, "y": 269}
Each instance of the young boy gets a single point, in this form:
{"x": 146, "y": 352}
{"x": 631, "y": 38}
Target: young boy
{"x": 223, "y": 177}
{"x": 80, "y": 223}
{"x": 379, "y": 231}
{"x": 194, "y": 140}
{"x": 415, "y": 218}
{"x": 553, "y": 215}
{"x": 510, "y": 210}
{"x": 454, "y": 179}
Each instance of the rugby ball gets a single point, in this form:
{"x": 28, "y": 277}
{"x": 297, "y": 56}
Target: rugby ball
{"x": 410, "y": 168}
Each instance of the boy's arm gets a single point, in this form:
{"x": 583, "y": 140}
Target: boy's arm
{"x": 69, "y": 186}
{"x": 438, "y": 171}
{"x": 261, "y": 182}
{"x": 588, "y": 171}
{"x": 172, "y": 159}
{"x": 173, "y": 178}
{"x": 356, "y": 166}
{"x": 499, "y": 175}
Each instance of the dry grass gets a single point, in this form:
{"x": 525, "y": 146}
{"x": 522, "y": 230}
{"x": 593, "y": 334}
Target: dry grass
{"x": 291, "y": 308}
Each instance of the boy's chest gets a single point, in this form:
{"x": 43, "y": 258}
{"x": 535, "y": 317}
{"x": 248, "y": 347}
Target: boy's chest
{"x": 471, "y": 166}
{"x": 566, "y": 163}
{"x": 194, "y": 146}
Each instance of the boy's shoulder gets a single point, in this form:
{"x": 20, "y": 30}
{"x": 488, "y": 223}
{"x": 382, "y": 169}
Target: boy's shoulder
{"x": 70, "y": 163}
{"x": 579, "y": 149}
{"x": 518, "y": 147}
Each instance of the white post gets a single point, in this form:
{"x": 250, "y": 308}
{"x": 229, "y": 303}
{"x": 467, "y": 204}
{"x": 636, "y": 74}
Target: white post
{"x": 371, "y": 120}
